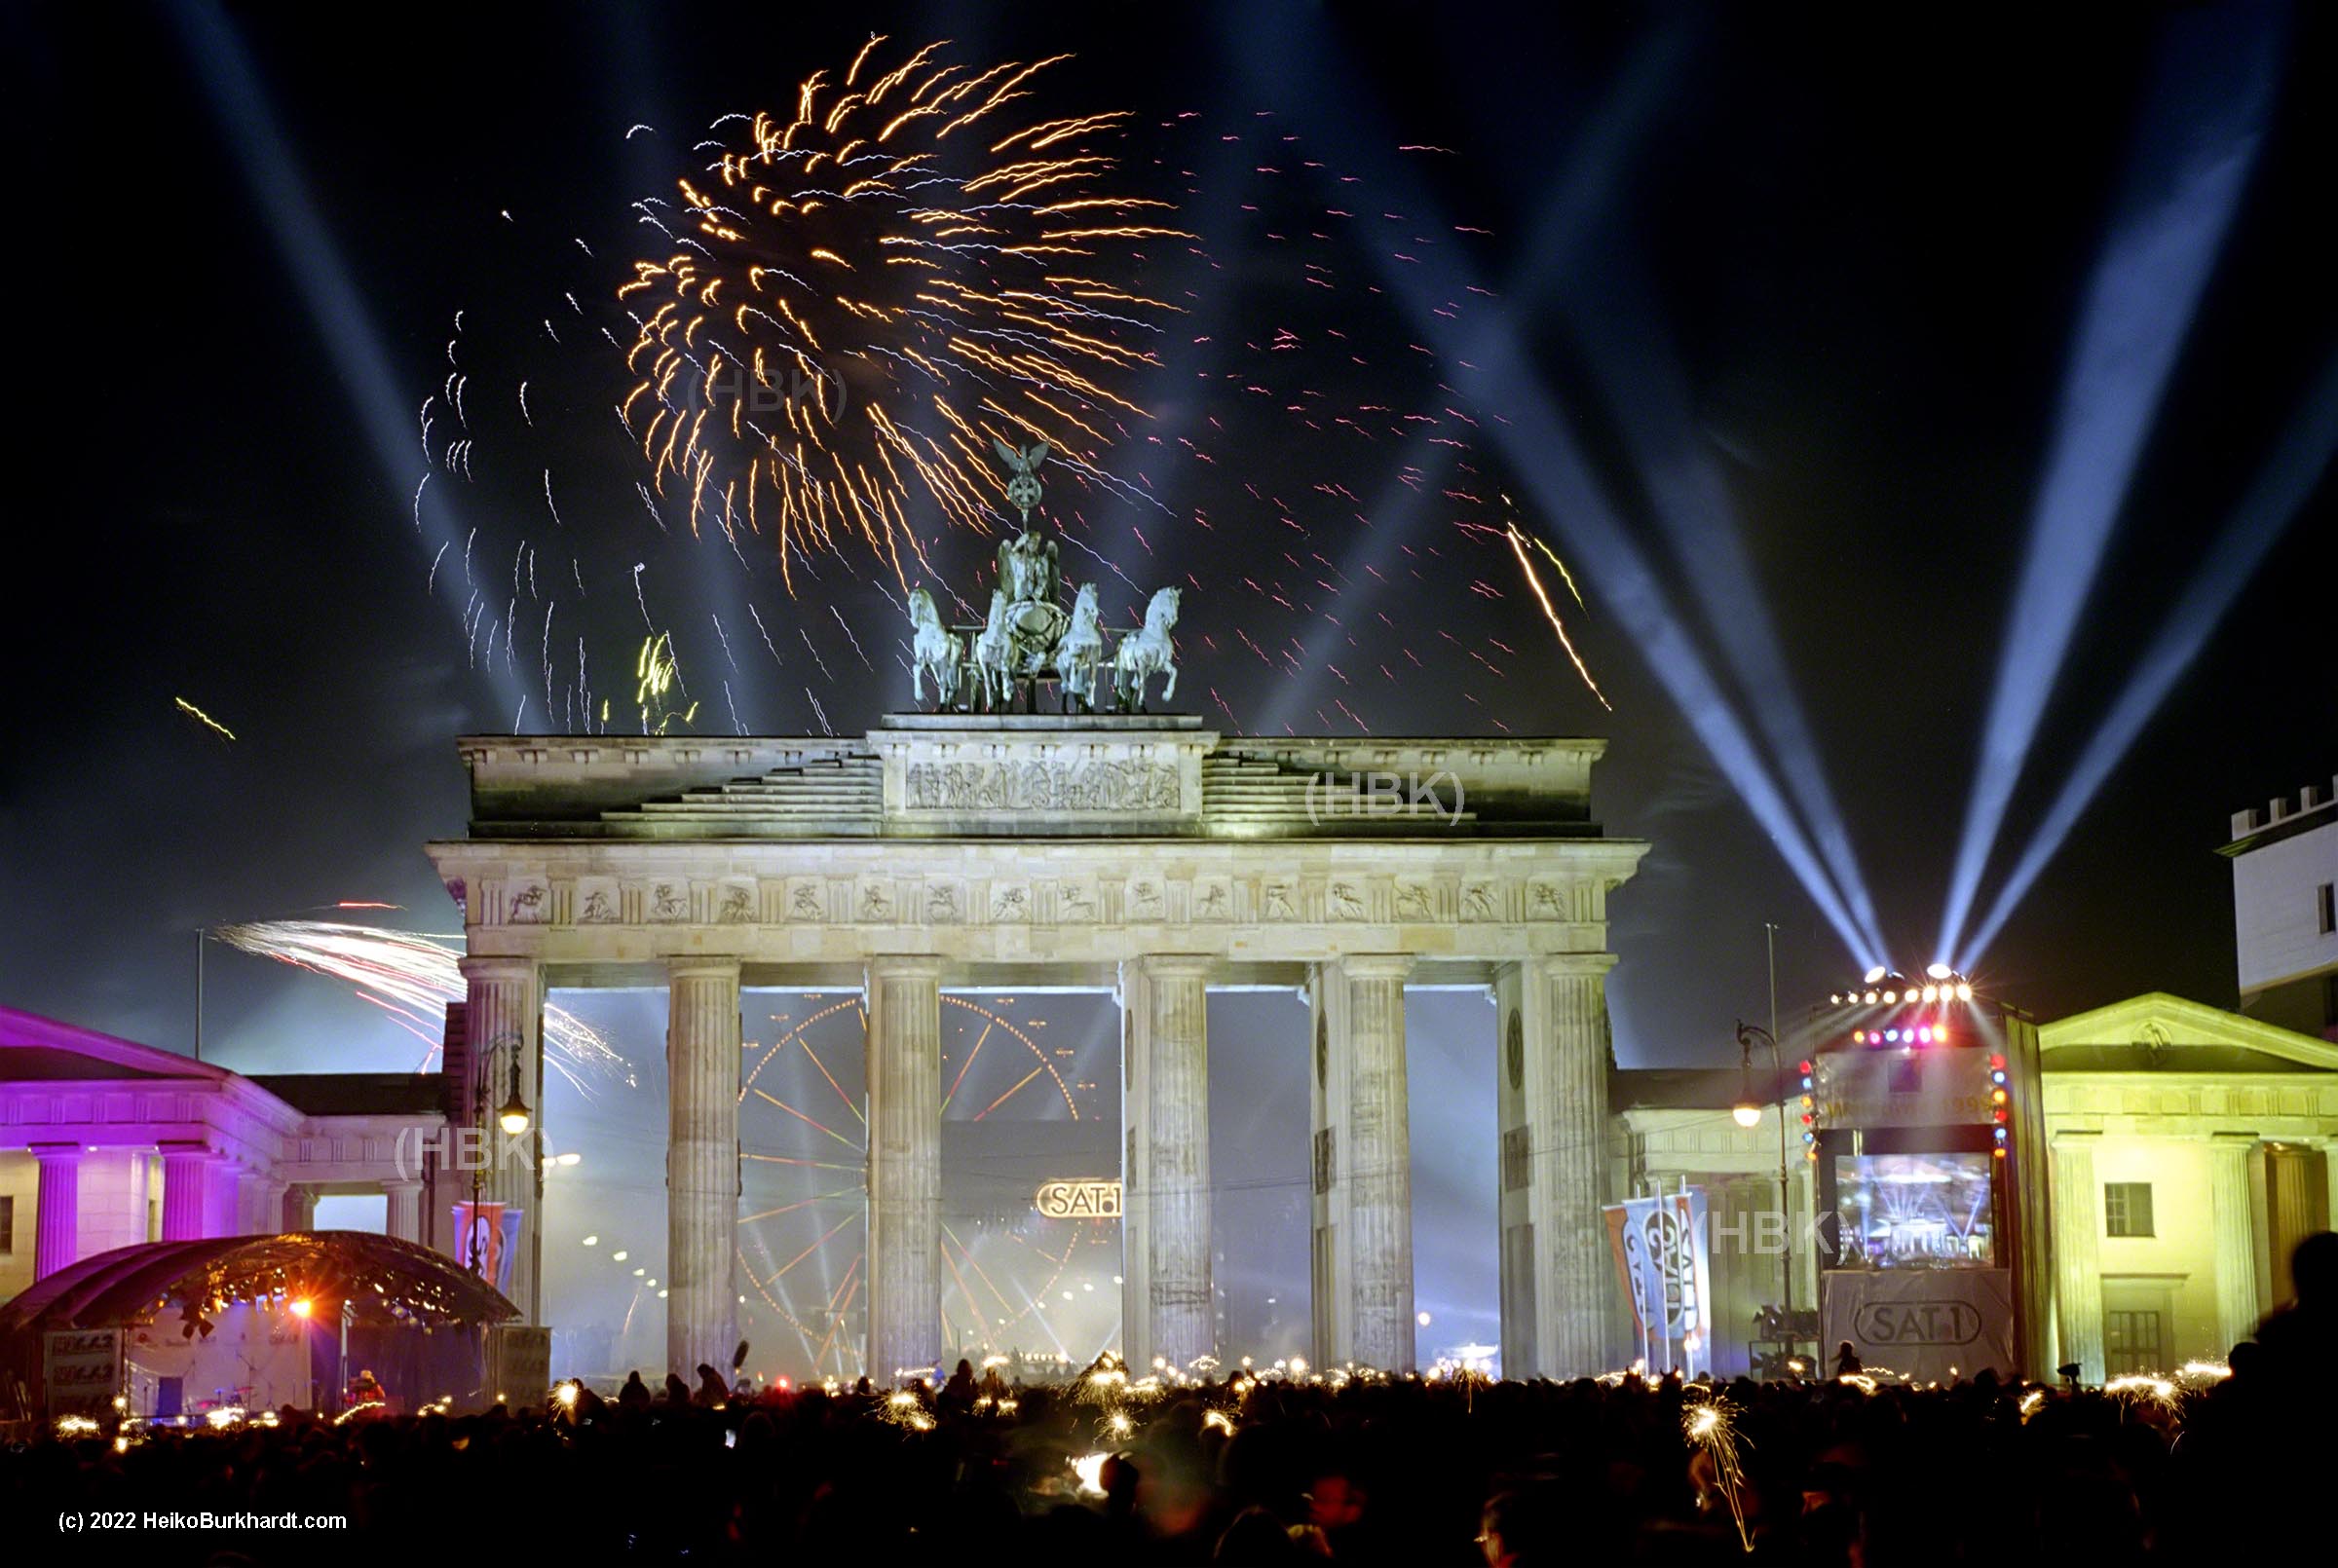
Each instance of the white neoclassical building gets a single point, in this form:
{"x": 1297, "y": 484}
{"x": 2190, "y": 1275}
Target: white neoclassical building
{"x": 2191, "y": 1153}
{"x": 105, "y": 1144}
{"x": 1147, "y": 856}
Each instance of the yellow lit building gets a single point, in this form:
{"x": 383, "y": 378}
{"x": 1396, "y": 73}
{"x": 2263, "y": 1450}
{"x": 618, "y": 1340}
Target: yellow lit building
{"x": 2191, "y": 1149}
{"x": 2191, "y": 1153}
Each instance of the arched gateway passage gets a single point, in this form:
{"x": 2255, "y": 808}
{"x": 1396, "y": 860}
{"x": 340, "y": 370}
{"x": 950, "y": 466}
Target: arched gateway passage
{"x": 1140, "y": 854}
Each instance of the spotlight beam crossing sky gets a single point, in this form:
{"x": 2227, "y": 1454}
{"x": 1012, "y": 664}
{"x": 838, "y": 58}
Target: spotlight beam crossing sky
{"x": 2198, "y": 140}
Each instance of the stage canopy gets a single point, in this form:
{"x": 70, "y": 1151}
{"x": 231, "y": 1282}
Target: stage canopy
{"x": 384, "y": 1282}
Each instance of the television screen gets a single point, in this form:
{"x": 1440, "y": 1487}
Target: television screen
{"x": 1914, "y": 1210}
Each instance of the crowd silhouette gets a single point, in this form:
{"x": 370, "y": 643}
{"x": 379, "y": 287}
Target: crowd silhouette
{"x": 1853, "y": 1471}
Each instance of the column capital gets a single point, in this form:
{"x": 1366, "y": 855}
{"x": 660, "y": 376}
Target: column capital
{"x": 2234, "y": 1142}
{"x": 185, "y": 1149}
{"x": 1375, "y": 965}
{"x": 709, "y": 965}
{"x": 1186, "y": 965}
{"x": 908, "y": 965}
{"x": 491, "y": 967}
{"x": 396, "y": 1187}
{"x": 1587, "y": 965}
{"x": 2083, "y": 1138}
{"x": 52, "y": 1153}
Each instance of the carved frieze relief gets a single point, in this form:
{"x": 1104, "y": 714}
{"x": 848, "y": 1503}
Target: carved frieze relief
{"x": 1010, "y": 903}
{"x": 1099, "y": 785}
{"x": 806, "y": 899}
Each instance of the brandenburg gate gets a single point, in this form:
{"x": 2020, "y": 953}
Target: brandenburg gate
{"x": 1143, "y": 854}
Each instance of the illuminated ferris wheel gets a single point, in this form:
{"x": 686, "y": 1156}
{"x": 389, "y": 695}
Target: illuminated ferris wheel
{"x": 1008, "y": 1272}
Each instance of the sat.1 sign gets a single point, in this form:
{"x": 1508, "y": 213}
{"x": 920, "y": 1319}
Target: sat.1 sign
{"x": 1079, "y": 1200}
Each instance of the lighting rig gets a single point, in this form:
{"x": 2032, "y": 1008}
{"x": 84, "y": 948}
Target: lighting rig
{"x": 1923, "y": 1122}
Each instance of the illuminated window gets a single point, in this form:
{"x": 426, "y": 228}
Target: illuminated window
{"x": 2127, "y": 1209}
{"x": 7, "y": 1226}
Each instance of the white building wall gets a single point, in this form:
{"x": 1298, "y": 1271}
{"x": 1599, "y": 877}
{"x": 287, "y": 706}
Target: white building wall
{"x": 2275, "y": 914}
{"x": 2179, "y": 1258}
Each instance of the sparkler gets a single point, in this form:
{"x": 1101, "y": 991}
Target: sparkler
{"x": 1710, "y": 1427}
{"x": 2143, "y": 1387}
{"x": 866, "y": 291}
{"x": 412, "y": 976}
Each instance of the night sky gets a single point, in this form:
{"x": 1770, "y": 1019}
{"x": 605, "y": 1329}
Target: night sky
{"x": 1846, "y": 265}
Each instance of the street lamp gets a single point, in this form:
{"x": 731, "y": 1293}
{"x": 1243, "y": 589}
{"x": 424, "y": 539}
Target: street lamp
{"x": 1748, "y": 1112}
{"x": 513, "y": 1118}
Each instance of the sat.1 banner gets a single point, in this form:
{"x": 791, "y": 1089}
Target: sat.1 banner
{"x": 1079, "y": 1200}
{"x": 1927, "y": 1325}
{"x": 1660, "y": 1259}
{"x": 81, "y": 1370}
{"x": 486, "y": 1240}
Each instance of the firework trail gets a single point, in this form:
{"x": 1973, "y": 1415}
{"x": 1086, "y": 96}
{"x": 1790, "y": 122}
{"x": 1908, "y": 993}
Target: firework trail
{"x": 858, "y": 297}
{"x": 848, "y": 297}
{"x": 413, "y": 977}
{"x": 208, "y": 722}
{"x": 1525, "y": 564}
{"x": 656, "y": 673}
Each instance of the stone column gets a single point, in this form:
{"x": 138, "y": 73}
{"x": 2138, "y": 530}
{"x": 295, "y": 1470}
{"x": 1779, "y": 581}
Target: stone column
{"x": 264, "y": 1205}
{"x": 56, "y": 1232}
{"x": 905, "y": 1166}
{"x": 1552, "y": 1060}
{"x": 222, "y": 1190}
{"x": 504, "y": 1012}
{"x": 186, "y": 1190}
{"x": 2233, "y": 1220}
{"x": 2329, "y": 1180}
{"x": 2076, "y": 1268}
{"x": 1733, "y": 1210}
{"x": 702, "y": 1163}
{"x": 248, "y": 1204}
{"x": 405, "y": 1218}
{"x": 2291, "y": 1202}
{"x": 1167, "y": 1309}
{"x": 1363, "y": 1233}
{"x": 300, "y": 1207}
{"x": 1803, "y": 1223}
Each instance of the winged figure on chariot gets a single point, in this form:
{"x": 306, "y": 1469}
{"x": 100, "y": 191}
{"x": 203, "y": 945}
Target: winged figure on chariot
{"x": 1028, "y": 638}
